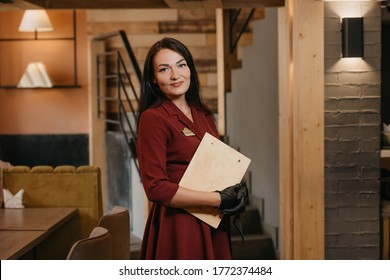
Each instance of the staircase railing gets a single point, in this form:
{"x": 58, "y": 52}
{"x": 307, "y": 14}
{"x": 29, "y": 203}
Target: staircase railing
{"x": 236, "y": 29}
{"x": 122, "y": 78}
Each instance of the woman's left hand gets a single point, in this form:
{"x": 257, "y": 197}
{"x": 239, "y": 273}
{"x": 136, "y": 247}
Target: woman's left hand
{"x": 241, "y": 198}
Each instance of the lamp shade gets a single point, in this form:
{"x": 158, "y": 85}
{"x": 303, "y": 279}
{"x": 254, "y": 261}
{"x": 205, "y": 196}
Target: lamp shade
{"x": 35, "y": 21}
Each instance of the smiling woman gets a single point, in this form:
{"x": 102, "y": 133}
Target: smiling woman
{"x": 171, "y": 124}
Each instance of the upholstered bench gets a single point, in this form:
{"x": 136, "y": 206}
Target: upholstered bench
{"x": 62, "y": 186}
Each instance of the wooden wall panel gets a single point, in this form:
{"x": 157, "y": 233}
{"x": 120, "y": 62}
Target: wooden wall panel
{"x": 138, "y": 27}
{"x": 196, "y": 14}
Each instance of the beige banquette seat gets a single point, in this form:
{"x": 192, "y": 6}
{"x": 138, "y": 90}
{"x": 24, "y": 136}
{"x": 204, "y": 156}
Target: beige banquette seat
{"x": 61, "y": 186}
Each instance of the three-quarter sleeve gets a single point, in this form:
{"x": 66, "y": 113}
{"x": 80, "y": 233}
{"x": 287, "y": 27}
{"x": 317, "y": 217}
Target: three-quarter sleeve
{"x": 152, "y": 156}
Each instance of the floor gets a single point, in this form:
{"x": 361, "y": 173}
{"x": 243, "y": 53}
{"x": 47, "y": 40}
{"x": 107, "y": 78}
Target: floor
{"x": 135, "y": 246}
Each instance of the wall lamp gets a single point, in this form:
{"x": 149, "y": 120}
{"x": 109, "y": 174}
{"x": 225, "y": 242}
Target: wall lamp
{"x": 35, "y": 74}
{"x": 35, "y": 21}
{"x": 352, "y": 37}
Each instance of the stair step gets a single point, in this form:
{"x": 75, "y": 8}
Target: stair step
{"x": 250, "y": 222}
{"x": 255, "y": 247}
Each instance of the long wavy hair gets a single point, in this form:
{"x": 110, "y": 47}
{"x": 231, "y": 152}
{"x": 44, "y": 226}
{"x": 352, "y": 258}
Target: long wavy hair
{"x": 151, "y": 94}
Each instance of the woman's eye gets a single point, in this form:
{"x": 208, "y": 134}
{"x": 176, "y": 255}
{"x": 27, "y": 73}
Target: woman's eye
{"x": 163, "y": 70}
{"x": 182, "y": 65}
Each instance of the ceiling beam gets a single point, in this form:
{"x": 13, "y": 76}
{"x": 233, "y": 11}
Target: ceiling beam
{"x": 235, "y": 4}
{"x": 99, "y": 4}
{"x": 16, "y": 5}
{"x": 137, "y": 4}
{"x": 194, "y": 4}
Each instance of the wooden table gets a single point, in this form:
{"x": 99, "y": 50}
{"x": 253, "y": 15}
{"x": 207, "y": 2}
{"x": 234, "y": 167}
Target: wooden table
{"x": 16, "y": 243}
{"x": 22, "y": 229}
{"x": 35, "y": 218}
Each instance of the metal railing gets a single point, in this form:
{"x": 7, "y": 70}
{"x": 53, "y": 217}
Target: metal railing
{"x": 124, "y": 83}
{"x": 236, "y": 29}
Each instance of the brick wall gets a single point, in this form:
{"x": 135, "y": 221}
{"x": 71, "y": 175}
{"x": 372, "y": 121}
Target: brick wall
{"x": 352, "y": 137}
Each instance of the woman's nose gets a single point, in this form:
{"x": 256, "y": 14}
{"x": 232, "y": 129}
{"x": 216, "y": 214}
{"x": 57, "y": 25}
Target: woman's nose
{"x": 175, "y": 75}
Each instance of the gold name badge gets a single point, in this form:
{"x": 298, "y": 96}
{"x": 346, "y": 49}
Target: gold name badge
{"x": 187, "y": 132}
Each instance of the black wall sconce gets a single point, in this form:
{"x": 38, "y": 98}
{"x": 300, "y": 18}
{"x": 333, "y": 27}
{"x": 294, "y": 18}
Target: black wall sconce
{"x": 352, "y": 37}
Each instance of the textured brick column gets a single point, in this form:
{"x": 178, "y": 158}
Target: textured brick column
{"x": 352, "y": 136}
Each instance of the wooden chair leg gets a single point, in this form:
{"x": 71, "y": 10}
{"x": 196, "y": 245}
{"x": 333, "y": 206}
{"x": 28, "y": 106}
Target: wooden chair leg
{"x": 385, "y": 238}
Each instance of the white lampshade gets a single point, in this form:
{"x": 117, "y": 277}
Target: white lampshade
{"x": 35, "y": 76}
{"x": 35, "y": 21}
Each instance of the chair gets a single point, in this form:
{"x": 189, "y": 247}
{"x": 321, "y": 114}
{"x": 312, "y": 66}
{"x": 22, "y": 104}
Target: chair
{"x": 118, "y": 225}
{"x": 95, "y": 247}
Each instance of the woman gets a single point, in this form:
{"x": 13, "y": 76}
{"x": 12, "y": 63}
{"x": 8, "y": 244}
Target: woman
{"x": 171, "y": 123}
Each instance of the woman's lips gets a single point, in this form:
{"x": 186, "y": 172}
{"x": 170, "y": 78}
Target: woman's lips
{"x": 177, "y": 84}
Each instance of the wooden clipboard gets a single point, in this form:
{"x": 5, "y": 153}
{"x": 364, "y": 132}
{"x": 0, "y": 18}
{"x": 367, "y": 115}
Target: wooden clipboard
{"x": 214, "y": 166}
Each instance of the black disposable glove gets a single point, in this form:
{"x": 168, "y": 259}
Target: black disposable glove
{"x": 229, "y": 197}
{"x": 241, "y": 201}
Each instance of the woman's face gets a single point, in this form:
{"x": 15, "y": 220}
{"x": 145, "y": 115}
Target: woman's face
{"x": 171, "y": 73}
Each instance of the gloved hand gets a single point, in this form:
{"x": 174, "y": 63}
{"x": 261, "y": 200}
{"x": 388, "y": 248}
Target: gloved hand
{"x": 233, "y": 199}
{"x": 229, "y": 197}
{"x": 240, "y": 202}
{"x": 233, "y": 202}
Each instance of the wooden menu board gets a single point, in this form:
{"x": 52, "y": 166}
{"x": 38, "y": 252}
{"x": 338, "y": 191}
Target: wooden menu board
{"x": 214, "y": 166}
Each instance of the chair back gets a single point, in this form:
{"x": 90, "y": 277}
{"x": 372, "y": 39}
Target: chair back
{"x": 118, "y": 225}
{"x": 95, "y": 247}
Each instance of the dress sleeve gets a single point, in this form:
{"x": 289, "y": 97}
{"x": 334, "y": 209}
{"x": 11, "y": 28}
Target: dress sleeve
{"x": 151, "y": 151}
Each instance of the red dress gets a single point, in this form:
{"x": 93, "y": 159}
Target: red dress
{"x": 164, "y": 153}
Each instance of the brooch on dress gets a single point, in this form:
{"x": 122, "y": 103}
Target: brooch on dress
{"x": 187, "y": 132}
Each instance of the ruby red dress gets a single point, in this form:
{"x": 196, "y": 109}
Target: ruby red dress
{"x": 164, "y": 153}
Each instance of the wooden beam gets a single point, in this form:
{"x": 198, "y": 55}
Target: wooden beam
{"x": 226, "y": 62}
{"x": 221, "y": 69}
{"x": 301, "y": 128}
{"x": 286, "y": 226}
{"x": 99, "y": 4}
{"x": 194, "y": 4}
{"x": 140, "y": 4}
{"x": 17, "y": 5}
{"x": 97, "y": 126}
{"x": 235, "y": 4}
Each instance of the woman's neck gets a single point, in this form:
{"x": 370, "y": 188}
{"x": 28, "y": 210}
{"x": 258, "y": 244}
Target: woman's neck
{"x": 183, "y": 106}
